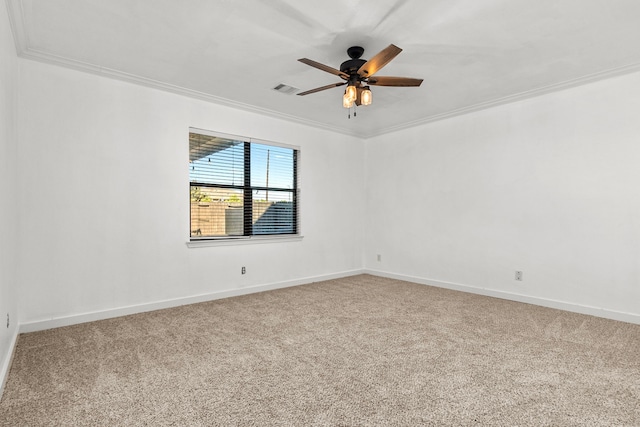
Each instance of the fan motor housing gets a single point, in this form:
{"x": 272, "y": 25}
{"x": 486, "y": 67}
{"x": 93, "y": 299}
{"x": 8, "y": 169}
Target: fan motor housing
{"x": 352, "y": 65}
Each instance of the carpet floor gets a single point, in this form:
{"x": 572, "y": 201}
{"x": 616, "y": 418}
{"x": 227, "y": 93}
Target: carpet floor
{"x": 358, "y": 351}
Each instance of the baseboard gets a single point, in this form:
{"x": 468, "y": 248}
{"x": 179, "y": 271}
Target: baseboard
{"x": 39, "y": 325}
{"x": 6, "y": 366}
{"x": 57, "y": 322}
{"x": 544, "y": 302}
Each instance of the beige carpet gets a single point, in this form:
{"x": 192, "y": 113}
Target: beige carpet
{"x": 360, "y": 351}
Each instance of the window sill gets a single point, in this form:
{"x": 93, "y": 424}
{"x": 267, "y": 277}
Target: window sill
{"x": 233, "y": 241}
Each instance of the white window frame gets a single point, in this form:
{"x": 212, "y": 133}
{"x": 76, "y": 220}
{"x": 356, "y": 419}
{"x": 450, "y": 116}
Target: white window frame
{"x": 253, "y": 239}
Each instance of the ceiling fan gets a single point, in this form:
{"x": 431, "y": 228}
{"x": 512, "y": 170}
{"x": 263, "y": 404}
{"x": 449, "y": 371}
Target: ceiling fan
{"x": 358, "y": 74}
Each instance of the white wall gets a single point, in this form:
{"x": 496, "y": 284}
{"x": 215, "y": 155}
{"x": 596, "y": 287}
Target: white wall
{"x": 548, "y": 186}
{"x": 104, "y": 198}
{"x": 8, "y": 194}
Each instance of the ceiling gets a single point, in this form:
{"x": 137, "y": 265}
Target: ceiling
{"x": 472, "y": 54}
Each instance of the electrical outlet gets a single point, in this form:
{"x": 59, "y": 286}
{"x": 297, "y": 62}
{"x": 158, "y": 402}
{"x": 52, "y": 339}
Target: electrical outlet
{"x": 7, "y": 320}
{"x": 244, "y": 270}
{"x": 379, "y": 257}
{"x": 519, "y": 276}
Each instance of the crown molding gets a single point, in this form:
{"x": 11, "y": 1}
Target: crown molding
{"x": 21, "y": 39}
{"x": 556, "y": 87}
{"x": 16, "y": 22}
{"x": 39, "y": 56}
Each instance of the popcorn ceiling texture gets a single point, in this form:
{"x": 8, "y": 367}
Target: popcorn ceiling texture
{"x": 358, "y": 351}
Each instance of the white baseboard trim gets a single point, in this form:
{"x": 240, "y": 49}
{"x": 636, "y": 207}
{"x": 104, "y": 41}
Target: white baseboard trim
{"x": 544, "y": 302}
{"x": 6, "y": 366}
{"x": 57, "y": 322}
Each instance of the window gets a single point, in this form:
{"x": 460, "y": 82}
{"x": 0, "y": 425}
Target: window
{"x": 241, "y": 188}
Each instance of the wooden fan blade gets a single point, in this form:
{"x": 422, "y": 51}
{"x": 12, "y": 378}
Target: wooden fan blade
{"x": 394, "y": 81}
{"x": 318, "y": 89}
{"x": 381, "y": 59}
{"x": 323, "y": 67}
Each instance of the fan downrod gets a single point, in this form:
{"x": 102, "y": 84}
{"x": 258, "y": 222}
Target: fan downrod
{"x": 351, "y": 66}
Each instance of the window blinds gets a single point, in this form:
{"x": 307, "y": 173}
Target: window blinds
{"x": 241, "y": 188}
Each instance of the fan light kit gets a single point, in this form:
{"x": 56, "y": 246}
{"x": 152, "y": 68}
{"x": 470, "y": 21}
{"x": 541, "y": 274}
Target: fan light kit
{"x": 358, "y": 75}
